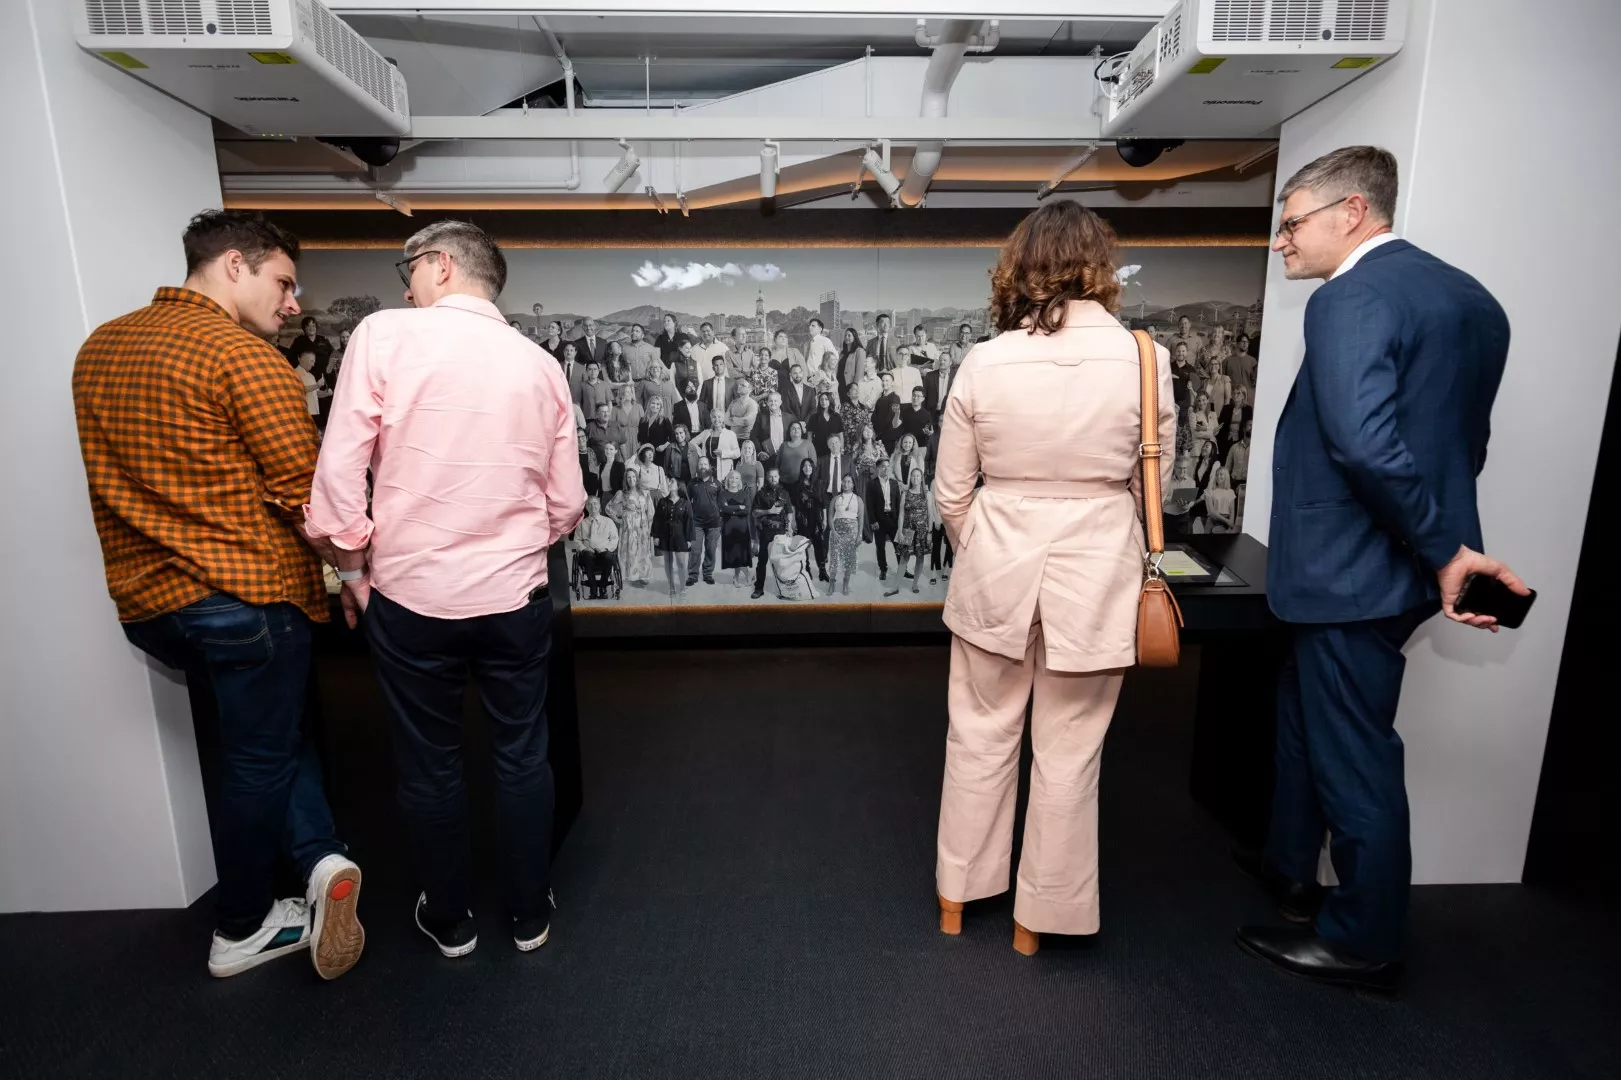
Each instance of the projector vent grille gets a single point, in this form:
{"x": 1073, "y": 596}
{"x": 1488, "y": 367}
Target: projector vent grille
{"x": 174, "y": 16}
{"x": 340, "y": 46}
{"x": 1238, "y": 20}
{"x": 1170, "y": 38}
{"x": 1295, "y": 20}
{"x": 117, "y": 17}
{"x": 243, "y": 16}
{"x": 1361, "y": 20}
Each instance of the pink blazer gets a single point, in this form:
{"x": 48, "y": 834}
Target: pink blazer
{"x": 1052, "y": 422}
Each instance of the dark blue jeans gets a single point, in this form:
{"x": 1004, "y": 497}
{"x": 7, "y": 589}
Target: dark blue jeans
{"x": 1340, "y": 771}
{"x": 257, "y": 662}
{"x": 423, "y": 665}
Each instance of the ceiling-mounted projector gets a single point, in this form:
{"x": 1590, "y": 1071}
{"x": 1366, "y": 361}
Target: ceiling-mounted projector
{"x": 1237, "y": 69}
{"x": 267, "y": 67}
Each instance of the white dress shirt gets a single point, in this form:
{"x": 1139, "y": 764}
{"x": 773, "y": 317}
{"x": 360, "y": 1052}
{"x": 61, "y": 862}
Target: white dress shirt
{"x": 705, "y": 354}
{"x": 907, "y": 378}
{"x": 1360, "y": 250}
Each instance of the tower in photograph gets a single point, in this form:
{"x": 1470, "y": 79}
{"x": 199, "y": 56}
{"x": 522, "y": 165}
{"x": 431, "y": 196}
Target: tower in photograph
{"x": 828, "y": 310}
{"x": 760, "y": 334}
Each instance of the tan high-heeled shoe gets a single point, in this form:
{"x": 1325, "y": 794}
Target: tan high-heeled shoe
{"x": 950, "y": 915}
{"x": 1025, "y": 941}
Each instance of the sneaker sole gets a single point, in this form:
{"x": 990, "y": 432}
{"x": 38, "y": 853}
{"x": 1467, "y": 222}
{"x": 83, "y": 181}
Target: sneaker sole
{"x": 534, "y": 943}
{"x": 336, "y": 937}
{"x": 248, "y": 963}
{"x": 449, "y": 952}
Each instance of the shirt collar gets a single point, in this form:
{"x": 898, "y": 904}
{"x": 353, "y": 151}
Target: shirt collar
{"x": 175, "y": 294}
{"x": 1360, "y": 250}
{"x": 475, "y": 304}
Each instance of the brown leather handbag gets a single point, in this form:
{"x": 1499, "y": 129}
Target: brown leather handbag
{"x": 1159, "y": 619}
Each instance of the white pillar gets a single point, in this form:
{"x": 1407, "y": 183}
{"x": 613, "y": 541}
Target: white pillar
{"x": 101, "y": 803}
{"x": 1506, "y": 172}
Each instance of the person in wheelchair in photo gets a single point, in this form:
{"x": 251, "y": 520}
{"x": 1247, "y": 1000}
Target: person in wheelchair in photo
{"x": 597, "y": 551}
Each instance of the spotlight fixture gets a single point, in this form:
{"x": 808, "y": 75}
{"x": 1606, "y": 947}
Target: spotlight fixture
{"x": 620, "y": 174}
{"x": 769, "y": 168}
{"x": 880, "y": 172}
{"x": 1140, "y": 152}
{"x": 681, "y": 198}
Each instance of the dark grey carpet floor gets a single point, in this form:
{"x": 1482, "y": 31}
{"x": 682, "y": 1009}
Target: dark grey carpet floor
{"x": 748, "y": 893}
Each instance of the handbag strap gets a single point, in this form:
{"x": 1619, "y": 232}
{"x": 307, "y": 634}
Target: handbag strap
{"x": 1149, "y": 450}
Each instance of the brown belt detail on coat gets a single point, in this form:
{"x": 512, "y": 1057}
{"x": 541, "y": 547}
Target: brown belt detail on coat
{"x": 1057, "y": 489}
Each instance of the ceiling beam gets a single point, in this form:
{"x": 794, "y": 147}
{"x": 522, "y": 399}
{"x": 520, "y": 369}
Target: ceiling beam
{"x": 635, "y": 125}
{"x": 955, "y": 9}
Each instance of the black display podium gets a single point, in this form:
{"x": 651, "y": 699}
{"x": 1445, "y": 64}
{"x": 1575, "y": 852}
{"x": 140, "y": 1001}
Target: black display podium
{"x": 1241, "y": 646}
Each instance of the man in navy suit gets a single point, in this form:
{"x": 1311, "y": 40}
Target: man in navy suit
{"x": 1374, "y": 529}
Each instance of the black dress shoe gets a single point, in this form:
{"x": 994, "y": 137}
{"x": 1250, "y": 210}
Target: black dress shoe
{"x": 1297, "y": 901}
{"x": 1299, "y": 951}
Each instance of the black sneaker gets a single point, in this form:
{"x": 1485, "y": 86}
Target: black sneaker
{"x": 756, "y": 594}
{"x": 454, "y": 939}
{"x": 530, "y": 934}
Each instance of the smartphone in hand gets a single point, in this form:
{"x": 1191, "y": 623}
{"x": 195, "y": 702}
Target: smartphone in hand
{"x": 1482, "y": 595}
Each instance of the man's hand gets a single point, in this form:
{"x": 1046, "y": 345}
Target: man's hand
{"x": 355, "y": 598}
{"x": 323, "y": 547}
{"x": 1455, "y": 573}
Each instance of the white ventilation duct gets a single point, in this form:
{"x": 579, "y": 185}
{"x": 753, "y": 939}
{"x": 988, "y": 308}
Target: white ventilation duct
{"x": 955, "y": 40}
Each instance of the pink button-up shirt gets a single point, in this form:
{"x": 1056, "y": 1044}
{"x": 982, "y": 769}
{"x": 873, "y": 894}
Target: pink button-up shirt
{"x": 468, "y": 430}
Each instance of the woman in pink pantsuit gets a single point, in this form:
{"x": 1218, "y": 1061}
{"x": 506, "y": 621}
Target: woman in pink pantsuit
{"x": 1049, "y": 563}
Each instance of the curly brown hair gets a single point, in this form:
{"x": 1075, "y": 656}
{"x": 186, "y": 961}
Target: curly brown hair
{"x": 1060, "y": 253}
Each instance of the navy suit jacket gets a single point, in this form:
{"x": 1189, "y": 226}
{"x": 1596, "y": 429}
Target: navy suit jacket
{"x": 1382, "y": 438}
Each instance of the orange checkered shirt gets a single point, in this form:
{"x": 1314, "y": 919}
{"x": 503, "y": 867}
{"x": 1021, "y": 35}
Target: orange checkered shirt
{"x": 199, "y": 451}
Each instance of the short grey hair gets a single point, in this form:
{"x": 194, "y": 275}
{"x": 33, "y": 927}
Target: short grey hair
{"x": 478, "y": 255}
{"x": 1369, "y": 171}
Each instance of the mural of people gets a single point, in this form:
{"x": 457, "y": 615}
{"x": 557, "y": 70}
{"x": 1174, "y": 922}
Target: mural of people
{"x": 788, "y": 351}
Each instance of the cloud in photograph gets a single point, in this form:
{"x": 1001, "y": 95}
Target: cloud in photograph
{"x": 667, "y": 278}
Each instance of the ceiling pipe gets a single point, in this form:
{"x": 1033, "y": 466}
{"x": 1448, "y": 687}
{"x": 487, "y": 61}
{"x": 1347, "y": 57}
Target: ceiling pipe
{"x": 573, "y": 181}
{"x": 950, "y": 47}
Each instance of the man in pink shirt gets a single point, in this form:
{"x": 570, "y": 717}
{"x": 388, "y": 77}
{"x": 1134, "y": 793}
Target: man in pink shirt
{"x": 468, "y": 432}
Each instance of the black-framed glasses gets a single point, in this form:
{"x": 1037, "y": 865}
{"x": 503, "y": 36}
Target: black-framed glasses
{"x": 404, "y": 266}
{"x": 1286, "y": 228}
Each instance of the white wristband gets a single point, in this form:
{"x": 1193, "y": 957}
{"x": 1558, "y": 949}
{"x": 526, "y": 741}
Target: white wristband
{"x": 352, "y": 575}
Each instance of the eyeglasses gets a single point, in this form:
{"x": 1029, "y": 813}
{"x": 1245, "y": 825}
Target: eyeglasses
{"x": 404, "y": 266}
{"x": 1286, "y": 229}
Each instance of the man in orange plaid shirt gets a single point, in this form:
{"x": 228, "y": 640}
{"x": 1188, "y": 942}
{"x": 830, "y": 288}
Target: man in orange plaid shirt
{"x": 199, "y": 451}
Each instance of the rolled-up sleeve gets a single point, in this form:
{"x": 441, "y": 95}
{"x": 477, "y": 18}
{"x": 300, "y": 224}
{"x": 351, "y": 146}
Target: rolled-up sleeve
{"x": 338, "y": 506}
{"x": 268, "y": 410}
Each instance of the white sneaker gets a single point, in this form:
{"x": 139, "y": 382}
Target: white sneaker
{"x": 336, "y": 936}
{"x": 286, "y": 929}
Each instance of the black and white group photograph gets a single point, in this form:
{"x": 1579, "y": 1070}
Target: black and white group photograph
{"x": 761, "y": 425}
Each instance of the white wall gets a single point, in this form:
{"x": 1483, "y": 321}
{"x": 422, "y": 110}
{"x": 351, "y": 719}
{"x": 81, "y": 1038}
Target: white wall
{"x": 100, "y": 799}
{"x": 1541, "y": 235}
